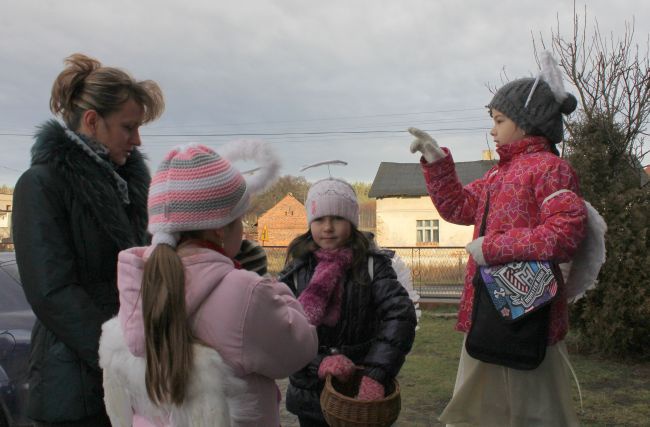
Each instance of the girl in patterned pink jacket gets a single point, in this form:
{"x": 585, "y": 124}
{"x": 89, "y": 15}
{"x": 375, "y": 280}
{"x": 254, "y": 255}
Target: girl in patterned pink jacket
{"x": 534, "y": 213}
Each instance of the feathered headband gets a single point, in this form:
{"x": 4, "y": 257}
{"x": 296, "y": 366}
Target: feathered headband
{"x": 261, "y": 177}
{"x": 552, "y": 74}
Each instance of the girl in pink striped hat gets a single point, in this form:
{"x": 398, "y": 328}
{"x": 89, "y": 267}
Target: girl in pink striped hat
{"x": 197, "y": 340}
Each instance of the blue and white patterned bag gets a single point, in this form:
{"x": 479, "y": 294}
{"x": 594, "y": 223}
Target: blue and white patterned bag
{"x": 517, "y": 288}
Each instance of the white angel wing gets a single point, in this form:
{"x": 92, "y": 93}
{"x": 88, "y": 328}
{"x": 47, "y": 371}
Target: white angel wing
{"x": 403, "y": 273}
{"x": 585, "y": 266}
{"x": 215, "y": 396}
{"x": 111, "y": 359}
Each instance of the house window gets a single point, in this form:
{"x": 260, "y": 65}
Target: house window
{"x": 427, "y": 231}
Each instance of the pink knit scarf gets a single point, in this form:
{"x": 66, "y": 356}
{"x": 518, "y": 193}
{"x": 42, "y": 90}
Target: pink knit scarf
{"x": 323, "y": 296}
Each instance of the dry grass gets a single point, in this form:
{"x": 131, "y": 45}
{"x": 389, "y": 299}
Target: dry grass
{"x": 615, "y": 392}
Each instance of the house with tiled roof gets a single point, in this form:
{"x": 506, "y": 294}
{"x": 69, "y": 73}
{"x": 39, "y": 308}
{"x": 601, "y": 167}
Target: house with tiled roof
{"x": 282, "y": 223}
{"x": 405, "y": 215}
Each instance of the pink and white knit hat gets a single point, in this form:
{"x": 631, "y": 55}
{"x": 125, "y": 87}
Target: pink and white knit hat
{"x": 332, "y": 196}
{"x": 194, "y": 189}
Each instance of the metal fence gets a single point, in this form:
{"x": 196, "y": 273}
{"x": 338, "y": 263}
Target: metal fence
{"x": 436, "y": 271}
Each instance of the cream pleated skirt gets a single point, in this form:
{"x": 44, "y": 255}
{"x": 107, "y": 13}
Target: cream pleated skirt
{"x": 492, "y": 395}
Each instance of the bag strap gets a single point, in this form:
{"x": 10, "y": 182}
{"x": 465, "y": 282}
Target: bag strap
{"x": 485, "y": 213}
{"x": 477, "y": 274}
{"x": 371, "y": 267}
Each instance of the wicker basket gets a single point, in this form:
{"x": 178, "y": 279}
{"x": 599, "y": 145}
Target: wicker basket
{"x": 341, "y": 409}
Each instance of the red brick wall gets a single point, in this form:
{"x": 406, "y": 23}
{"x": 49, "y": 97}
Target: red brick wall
{"x": 283, "y": 222}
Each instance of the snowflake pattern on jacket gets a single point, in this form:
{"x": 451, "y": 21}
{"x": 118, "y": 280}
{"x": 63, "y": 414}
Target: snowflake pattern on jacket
{"x": 527, "y": 218}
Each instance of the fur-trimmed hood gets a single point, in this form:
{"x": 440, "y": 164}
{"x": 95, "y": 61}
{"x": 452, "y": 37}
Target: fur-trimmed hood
{"x": 94, "y": 186}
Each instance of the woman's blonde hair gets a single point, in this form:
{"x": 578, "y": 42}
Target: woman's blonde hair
{"x": 85, "y": 84}
{"x": 168, "y": 339}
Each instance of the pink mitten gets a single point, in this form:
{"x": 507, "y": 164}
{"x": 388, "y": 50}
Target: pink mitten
{"x": 370, "y": 389}
{"x": 337, "y": 365}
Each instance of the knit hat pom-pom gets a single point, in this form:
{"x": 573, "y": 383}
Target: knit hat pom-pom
{"x": 569, "y": 104}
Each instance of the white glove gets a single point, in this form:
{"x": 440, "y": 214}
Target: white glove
{"x": 475, "y": 249}
{"x": 425, "y": 145}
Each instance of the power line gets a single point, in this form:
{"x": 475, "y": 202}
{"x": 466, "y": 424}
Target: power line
{"x": 454, "y": 110}
{"x": 11, "y": 169}
{"x": 345, "y": 132}
{"x": 430, "y": 120}
{"x": 298, "y": 133}
{"x": 309, "y": 139}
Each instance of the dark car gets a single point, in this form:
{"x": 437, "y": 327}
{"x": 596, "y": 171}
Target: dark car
{"x": 16, "y": 322}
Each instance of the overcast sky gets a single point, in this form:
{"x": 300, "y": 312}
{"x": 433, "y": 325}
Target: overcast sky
{"x": 336, "y": 79}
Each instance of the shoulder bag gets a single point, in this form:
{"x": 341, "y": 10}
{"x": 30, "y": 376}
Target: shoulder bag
{"x": 511, "y": 311}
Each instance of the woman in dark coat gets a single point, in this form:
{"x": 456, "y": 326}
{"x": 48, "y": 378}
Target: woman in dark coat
{"x": 81, "y": 202}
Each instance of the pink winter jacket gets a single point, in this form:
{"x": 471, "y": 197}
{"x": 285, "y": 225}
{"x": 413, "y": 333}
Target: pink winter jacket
{"x": 530, "y": 217}
{"x": 255, "y": 324}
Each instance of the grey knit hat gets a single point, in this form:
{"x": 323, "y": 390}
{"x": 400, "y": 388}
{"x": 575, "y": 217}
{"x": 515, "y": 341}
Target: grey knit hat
{"x": 543, "y": 114}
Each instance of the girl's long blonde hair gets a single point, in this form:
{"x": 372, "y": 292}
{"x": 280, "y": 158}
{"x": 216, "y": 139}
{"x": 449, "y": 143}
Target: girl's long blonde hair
{"x": 168, "y": 338}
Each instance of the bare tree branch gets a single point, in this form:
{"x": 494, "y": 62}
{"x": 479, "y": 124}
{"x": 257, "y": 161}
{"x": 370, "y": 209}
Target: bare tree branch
{"x": 611, "y": 76}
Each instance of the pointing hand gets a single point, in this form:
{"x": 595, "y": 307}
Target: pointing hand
{"x": 425, "y": 145}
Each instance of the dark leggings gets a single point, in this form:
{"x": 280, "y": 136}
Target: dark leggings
{"x": 309, "y": 422}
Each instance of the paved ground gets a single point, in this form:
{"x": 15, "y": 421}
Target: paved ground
{"x": 286, "y": 418}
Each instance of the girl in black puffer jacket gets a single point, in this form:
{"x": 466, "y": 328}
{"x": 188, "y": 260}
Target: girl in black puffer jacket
{"x": 362, "y": 319}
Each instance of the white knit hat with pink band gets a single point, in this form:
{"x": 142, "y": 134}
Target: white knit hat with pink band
{"x": 332, "y": 196}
